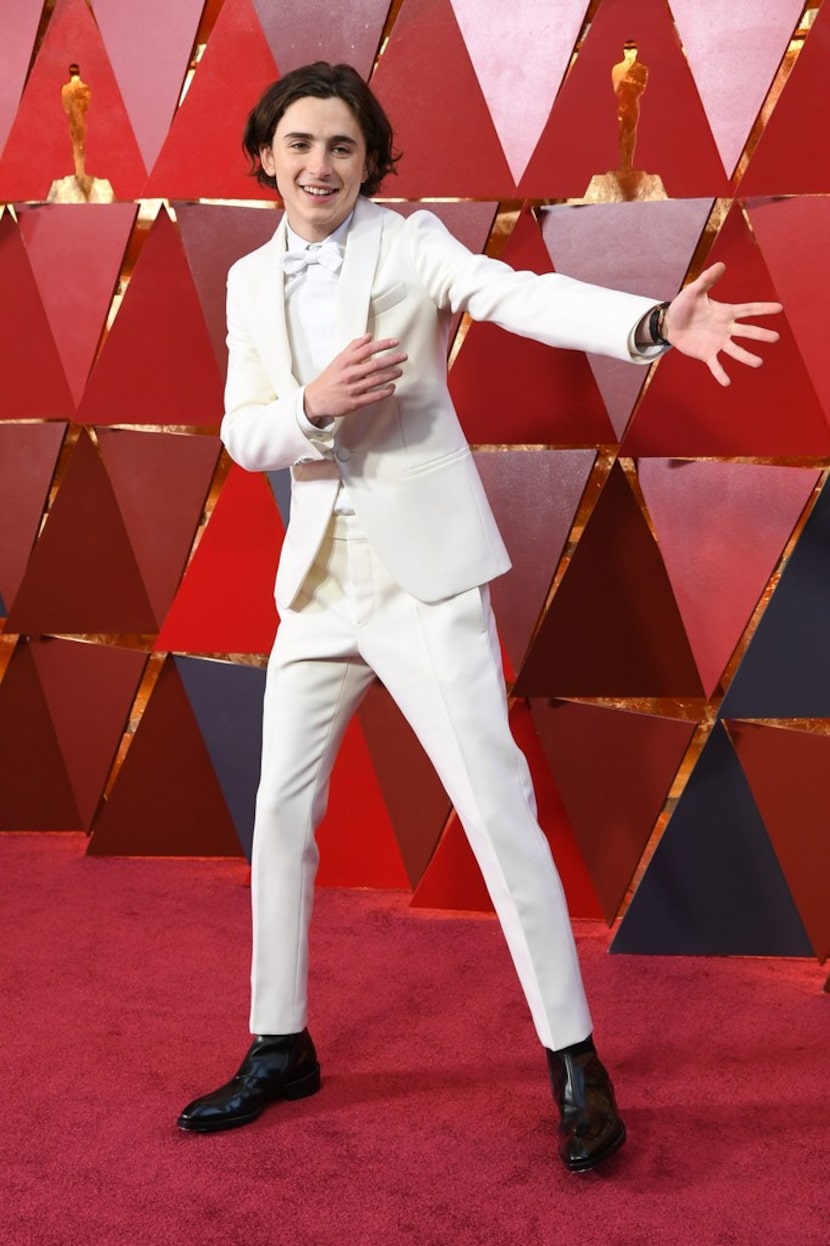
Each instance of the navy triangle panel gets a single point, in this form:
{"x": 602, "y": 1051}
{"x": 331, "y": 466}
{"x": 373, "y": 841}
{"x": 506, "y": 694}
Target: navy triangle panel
{"x": 226, "y": 700}
{"x": 280, "y": 482}
{"x": 785, "y": 672}
{"x": 714, "y": 886}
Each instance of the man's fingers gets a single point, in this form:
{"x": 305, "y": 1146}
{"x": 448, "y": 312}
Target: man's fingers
{"x": 742, "y": 310}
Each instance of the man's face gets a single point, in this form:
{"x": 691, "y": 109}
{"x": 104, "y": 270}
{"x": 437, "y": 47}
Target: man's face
{"x": 318, "y": 157}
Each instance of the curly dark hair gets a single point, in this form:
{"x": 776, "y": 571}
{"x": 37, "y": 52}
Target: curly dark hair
{"x": 324, "y": 81}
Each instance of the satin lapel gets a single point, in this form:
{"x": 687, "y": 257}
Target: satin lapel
{"x": 275, "y": 348}
{"x": 358, "y": 272}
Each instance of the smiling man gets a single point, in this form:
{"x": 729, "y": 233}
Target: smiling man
{"x": 337, "y": 336}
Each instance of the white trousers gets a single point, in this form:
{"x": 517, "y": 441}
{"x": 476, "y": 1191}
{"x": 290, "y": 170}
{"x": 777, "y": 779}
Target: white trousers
{"x": 442, "y": 665}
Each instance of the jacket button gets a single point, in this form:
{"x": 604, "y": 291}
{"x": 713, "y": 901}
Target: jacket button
{"x": 342, "y": 454}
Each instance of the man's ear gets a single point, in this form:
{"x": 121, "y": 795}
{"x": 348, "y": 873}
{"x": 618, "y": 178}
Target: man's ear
{"x": 266, "y": 159}
{"x": 369, "y": 167}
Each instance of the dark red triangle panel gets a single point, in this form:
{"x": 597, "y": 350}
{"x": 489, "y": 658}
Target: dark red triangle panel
{"x": 39, "y": 148}
{"x": 166, "y": 800}
{"x": 721, "y": 528}
{"x": 427, "y": 61}
{"x": 640, "y": 248}
{"x": 535, "y": 495}
{"x": 149, "y": 46}
{"x": 37, "y": 794}
{"x": 789, "y": 160}
{"x": 89, "y": 689}
{"x": 302, "y": 31}
{"x": 202, "y": 157}
{"x": 161, "y": 482}
{"x": 674, "y": 141}
{"x": 157, "y": 365}
{"x": 28, "y": 454}
{"x": 83, "y": 576}
{"x": 614, "y": 769}
{"x": 34, "y": 384}
{"x": 557, "y": 400}
{"x": 612, "y": 628}
{"x": 787, "y": 772}
{"x": 416, "y": 802}
{"x": 76, "y": 252}
{"x": 686, "y": 413}
{"x": 214, "y": 236}
{"x": 226, "y": 600}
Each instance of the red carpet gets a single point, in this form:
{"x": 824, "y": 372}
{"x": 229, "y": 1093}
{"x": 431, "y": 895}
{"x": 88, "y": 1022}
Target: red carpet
{"x": 124, "y": 995}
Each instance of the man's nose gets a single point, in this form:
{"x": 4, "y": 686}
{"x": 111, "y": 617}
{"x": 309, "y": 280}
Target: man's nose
{"x": 319, "y": 161}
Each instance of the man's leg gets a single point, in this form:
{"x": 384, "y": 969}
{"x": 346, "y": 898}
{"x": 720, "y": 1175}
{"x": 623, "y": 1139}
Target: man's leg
{"x": 314, "y": 683}
{"x": 444, "y": 670}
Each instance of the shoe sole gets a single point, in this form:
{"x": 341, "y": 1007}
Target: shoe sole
{"x": 585, "y": 1165}
{"x": 303, "y": 1088}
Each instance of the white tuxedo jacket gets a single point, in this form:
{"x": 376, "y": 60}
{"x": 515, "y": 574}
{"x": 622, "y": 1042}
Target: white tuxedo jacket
{"x": 410, "y": 474}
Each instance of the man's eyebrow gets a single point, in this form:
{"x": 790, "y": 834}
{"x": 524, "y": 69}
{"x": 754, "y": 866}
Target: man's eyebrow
{"x": 336, "y": 138}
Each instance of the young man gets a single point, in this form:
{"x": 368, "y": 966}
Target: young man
{"x": 337, "y": 335}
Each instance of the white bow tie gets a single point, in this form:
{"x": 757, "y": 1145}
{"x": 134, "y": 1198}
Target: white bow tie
{"x": 327, "y": 254}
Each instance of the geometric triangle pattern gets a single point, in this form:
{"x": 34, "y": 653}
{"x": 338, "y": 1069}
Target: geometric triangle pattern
{"x": 721, "y": 528}
{"x": 638, "y": 756}
{"x": 669, "y": 537}
{"x": 787, "y": 771}
{"x": 613, "y": 627}
{"x": 714, "y": 886}
{"x": 785, "y": 672}
{"x": 38, "y": 151}
{"x": 166, "y": 799}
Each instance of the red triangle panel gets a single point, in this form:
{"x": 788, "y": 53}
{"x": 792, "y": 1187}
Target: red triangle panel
{"x": 426, "y": 60}
{"x": 202, "y": 158}
{"x": 89, "y": 690}
{"x": 356, "y": 839}
{"x": 226, "y": 600}
{"x": 788, "y": 159}
{"x": 638, "y": 756}
{"x": 674, "y": 141}
{"x": 18, "y": 28}
{"x": 535, "y": 495}
{"x": 82, "y": 577}
{"x": 157, "y": 365}
{"x": 302, "y": 31}
{"x": 214, "y": 236}
{"x": 149, "y": 45}
{"x": 34, "y": 384}
{"x": 39, "y": 148}
{"x": 557, "y": 401}
{"x": 28, "y": 453}
{"x": 612, "y": 628}
{"x": 161, "y": 482}
{"x": 76, "y": 251}
{"x": 794, "y": 237}
{"x": 37, "y": 795}
{"x": 685, "y": 413}
{"x": 721, "y": 528}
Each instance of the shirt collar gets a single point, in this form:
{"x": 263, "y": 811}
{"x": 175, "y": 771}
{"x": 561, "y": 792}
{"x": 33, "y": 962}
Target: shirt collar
{"x": 296, "y": 243}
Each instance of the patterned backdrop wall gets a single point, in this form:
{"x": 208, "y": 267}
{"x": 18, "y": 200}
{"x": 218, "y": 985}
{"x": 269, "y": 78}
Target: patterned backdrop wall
{"x": 665, "y": 627}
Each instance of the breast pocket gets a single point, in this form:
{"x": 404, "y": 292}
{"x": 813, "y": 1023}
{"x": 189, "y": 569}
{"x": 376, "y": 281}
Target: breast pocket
{"x": 386, "y": 299}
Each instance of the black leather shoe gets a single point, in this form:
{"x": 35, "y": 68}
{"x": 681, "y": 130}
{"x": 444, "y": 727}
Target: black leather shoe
{"x": 590, "y": 1129}
{"x": 277, "y": 1066}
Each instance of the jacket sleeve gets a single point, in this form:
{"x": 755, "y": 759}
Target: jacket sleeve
{"x": 260, "y": 429}
{"x": 550, "y": 308}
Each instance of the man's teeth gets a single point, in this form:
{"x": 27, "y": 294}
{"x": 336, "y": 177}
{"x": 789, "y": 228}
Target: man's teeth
{"x": 317, "y": 191}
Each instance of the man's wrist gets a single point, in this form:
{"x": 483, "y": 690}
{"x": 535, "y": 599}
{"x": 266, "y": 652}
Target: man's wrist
{"x": 656, "y": 325}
